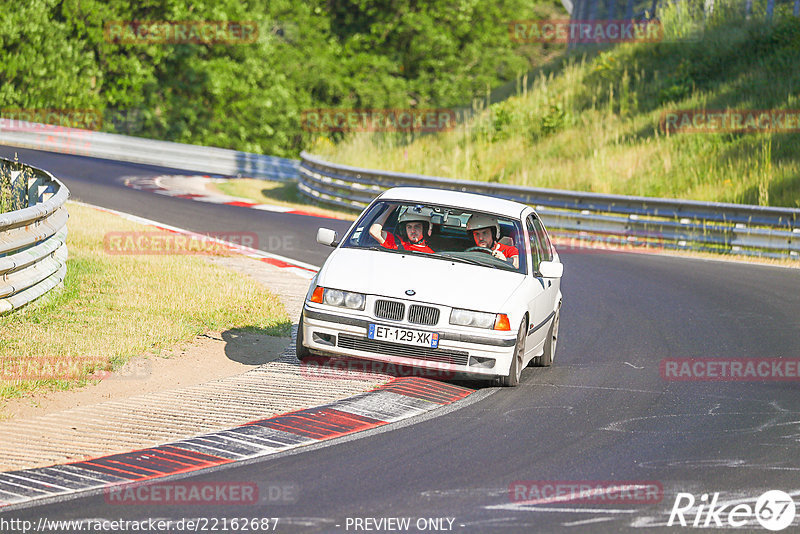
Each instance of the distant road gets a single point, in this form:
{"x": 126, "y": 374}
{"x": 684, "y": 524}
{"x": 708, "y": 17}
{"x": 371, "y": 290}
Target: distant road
{"x": 99, "y": 182}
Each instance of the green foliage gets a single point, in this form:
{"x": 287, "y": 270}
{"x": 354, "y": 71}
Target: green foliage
{"x": 592, "y": 121}
{"x": 680, "y": 84}
{"x": 317, "y": 54}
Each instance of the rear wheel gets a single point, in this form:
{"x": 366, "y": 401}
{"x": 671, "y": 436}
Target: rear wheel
{"x": 301, "y": 350}
{"x": 546, "y": 359}
{"x": 512, "y": 379}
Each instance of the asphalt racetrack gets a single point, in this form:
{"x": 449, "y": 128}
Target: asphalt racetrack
{"x": 607, "y": 414}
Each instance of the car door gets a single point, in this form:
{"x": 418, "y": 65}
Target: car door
{"x": 541, "y": 308}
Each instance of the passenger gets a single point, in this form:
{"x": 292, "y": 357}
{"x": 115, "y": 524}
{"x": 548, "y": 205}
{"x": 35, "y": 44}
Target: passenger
{"x": 485, "y": 230}
{"x": 412, "y": 226}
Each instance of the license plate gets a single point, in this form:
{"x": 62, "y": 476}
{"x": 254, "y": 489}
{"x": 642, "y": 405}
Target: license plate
{"x": 403, "y": 335}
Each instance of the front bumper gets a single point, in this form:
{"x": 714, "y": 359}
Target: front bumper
{"x": 479, "y": 354}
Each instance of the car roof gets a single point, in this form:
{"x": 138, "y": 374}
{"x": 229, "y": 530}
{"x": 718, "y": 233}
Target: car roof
{"x": 473, "y": 201}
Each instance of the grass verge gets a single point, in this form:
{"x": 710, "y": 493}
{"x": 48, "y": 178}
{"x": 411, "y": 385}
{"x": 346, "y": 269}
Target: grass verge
{"x": 114, "y": 307}
{"x": 594, "y": 123}
{"x": 278, "y": 194}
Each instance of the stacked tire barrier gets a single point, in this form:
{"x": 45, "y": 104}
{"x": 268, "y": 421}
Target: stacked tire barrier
{"x": 33, "y": 250}
{"x": 616, "y": 220}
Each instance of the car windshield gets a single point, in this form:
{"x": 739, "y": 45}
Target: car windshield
{"x": 441, "y": 233}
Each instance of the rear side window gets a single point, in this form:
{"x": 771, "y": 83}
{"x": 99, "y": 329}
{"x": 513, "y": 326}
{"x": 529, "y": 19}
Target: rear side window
{"x": 541, "y": 248}
{"x": 544, "y": 239}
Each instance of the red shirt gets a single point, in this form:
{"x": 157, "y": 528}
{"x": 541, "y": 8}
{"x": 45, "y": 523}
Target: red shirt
{"x": 414, "y": 247}
{"x": 507, "y": 250}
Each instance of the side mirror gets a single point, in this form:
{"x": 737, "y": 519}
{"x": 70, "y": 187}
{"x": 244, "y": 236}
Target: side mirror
{"x": 551, "y": 269}
{"x": 328, "y": 237}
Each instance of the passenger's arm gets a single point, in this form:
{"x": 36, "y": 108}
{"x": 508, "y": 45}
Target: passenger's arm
{"x": 376, "y": 230}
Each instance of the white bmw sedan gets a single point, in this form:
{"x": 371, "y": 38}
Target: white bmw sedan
{"x": 439, "y": 280}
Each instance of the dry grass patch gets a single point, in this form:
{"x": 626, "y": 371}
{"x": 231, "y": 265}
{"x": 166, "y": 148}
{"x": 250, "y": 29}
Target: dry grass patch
{"x": 114, "y": 307}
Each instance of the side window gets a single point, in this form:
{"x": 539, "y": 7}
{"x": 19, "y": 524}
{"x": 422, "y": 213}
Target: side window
{"x": 544, "y": 239}
{"x": 536, "y": 245}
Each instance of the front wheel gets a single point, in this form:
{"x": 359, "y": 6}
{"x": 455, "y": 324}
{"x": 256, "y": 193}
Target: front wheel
{"x": 301, "y": 350}
{"x": 546, "y": 359}
{"x": 512, "y": 379}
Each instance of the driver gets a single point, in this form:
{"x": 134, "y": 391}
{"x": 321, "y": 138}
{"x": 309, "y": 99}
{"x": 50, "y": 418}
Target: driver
{"x": 485, "y": 229}
{"x": 412, "y": 227}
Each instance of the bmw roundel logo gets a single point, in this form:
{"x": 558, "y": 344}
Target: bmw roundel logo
{"x": 410, "y": 292}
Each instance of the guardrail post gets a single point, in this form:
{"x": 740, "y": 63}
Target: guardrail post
{"x": 33, "y": 189}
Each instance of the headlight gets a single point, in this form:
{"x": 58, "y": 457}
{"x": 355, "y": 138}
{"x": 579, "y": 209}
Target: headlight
{"x": 333, "y": 297}
{"x": 354, "y": 301}
{"x": 337, "y": 297}
{"x": 472, "y": 318}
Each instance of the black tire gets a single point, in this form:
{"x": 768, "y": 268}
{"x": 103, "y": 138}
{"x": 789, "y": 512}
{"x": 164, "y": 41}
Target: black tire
{"x": 512, "y": 379}
{"x": 550, "y": 345}
{"x": 301, "y": 350}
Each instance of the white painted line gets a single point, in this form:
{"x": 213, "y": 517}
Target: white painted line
{"x": 587, "y": 521}
{"x": 298, "y": 267}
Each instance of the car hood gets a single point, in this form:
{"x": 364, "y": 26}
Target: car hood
{"x": 434, "y": 281}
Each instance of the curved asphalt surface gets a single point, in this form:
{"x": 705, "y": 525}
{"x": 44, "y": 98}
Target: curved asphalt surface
{"x": 601, "y": 413}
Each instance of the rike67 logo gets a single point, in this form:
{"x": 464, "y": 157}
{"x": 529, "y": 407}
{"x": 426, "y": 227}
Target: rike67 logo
{"x": 774, "y": 510}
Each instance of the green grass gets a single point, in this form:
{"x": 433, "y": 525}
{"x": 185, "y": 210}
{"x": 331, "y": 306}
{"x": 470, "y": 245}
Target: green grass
{"x": 114, "y": 307}
{"x": 10, "y": 190}
{"x": 591, "y": 122}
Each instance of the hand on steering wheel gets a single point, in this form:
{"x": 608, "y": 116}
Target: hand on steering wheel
{"x": 494, "y": 252}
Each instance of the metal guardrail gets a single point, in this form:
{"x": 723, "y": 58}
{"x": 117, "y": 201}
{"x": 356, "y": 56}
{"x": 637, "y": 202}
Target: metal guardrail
{"x": 614, "y": 219}
{"x": 33, "y": 250}
{"x": 139, "y": 150}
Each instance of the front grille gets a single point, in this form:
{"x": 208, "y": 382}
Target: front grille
{"x": 457, "y": 357}
{"x": 423, "y": 315}
{"x": 390, "y": 309}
